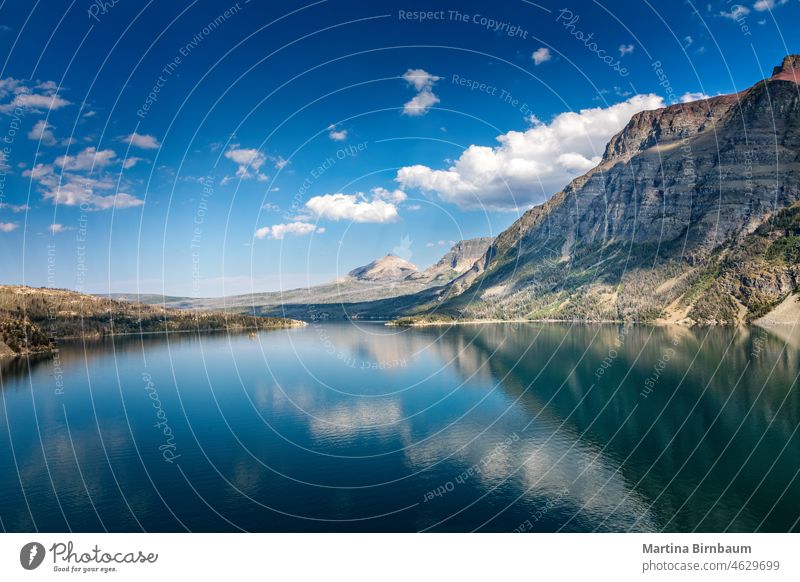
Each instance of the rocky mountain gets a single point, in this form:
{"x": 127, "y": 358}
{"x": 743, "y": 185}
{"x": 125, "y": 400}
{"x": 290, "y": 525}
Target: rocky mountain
{"x": 458, "y": 260}
{"x": 384, "y": 279}
{"x": 691, "y": 216}
{"x": 388, "y": 268}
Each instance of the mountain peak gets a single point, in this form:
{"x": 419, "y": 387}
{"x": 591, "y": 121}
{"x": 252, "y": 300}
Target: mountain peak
{"x": 789, "y": 69}
{"x": 692, "y": 186}
{"x": 459, "y": 258}
{"x": 387, "y": 268}
{"x": 681, "y": 121}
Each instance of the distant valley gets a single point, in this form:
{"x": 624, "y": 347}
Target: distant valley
{"x": 383, "y": 279}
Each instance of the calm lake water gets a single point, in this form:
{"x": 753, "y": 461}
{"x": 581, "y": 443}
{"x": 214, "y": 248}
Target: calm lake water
{"x": 344, "y": 427}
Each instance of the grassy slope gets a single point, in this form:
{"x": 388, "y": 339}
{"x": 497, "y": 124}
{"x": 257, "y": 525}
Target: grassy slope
{"x": 740, "y": 281}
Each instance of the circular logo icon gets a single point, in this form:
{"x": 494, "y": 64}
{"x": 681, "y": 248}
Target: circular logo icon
{"x": 31, "y": 555}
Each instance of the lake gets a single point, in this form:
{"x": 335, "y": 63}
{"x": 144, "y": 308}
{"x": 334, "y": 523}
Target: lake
{"x": 363, "y": 427}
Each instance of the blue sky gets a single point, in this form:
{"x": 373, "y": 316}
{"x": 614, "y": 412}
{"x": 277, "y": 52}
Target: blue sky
{"x": 209, "y": 148}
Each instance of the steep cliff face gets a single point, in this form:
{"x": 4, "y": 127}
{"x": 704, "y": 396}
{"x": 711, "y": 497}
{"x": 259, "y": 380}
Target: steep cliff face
{"x": 677, "y": 191}
{"x": 458, "y": 259}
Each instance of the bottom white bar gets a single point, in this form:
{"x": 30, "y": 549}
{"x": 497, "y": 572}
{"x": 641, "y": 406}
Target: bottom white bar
{"x": 407, "y": 557}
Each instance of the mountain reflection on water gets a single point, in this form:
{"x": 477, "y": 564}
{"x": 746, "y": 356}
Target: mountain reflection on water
{"x": 360, "y": 427}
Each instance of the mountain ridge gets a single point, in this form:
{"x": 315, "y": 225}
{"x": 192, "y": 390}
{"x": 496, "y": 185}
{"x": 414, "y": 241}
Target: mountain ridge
{"x": 383, "y": 279}
{"x": 677, "y": 193}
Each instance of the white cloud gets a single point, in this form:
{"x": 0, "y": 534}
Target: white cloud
{"x": 625, "y": 49}
{"x": 337, "y": 135}
{"x": 763, "y": 5}
{"x": 420, "y": 103}
{"x": 88, "y": 159}
{"x": 689, "y": 97}
{"x": 280, "y": 163}
{"x": 353, "y": 207}
{"x": 39, "y": 102}
{"x": 42, "y": 132}
{"x": 420, "y": 79}
{"x": 737, "y": 11}
{"x": 394, "y": 196}
{"x": 74, "y": 194}
{"x": 528, "y": 166}
{"x": 423, "y": 82}
{"x": 279, "y": 231}
{"x": 144, "y": 141}
{"x": 56, "y": 228}
{"x": 69, "y": 189}
{"x": 131, "y": 162}
{"x": 15, "y": 208}
{"x": 40, "y": 97}
{"x": 8, "y": 86}
{"x": 8, "y": 226}
{"x": 249, "y": 160}
{"x": 541, "y": 55}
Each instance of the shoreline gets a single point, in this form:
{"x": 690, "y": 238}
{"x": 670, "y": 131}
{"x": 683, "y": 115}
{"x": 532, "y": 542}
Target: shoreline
{"x": 93, "y": 337}
{"x": 656, "y": 323}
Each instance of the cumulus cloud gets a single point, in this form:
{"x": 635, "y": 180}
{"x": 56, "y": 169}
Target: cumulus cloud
{"x": 143, "y": 141}
{"x": 625, "y": 49}
{"x": 394, "y": 196}
{"x": 8, "y": 226}
{"x": 737, "y": 11}
{"x": 279, "y": 231}
{"x": 9, "y": 86}
{"x": 42, "y": 132}
{"x": 131, "y": 162}
{"x": 87, "y": 159}
{"x": 420, "y": 79}
{"x": 528, "y": 166}
{"x": 541, "y": 55}
{"x": 420, "y": 104}
{"x": 423, "y": 82}
{"x": 70, "y": 189}
{"x": 689, "y": 97}
{"x": 337, "y": 134}
{"x": 355, "y": 207}
{"x": 763, "y": 5}
{"x": 249, "y": 160}
{"x": 56, "y": 228}
{"x": 32, "y": 97}
{"x": 15, "y": 208}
